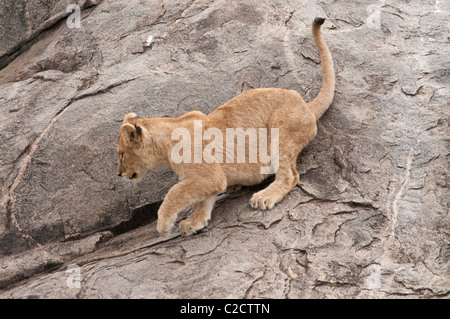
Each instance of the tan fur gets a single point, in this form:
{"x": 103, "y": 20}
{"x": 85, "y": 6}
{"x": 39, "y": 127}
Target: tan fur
{"x": 145, "y": 144}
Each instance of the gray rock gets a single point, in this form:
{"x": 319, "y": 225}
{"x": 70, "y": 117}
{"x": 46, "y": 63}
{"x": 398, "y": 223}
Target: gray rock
{"x": 368, "y": 219}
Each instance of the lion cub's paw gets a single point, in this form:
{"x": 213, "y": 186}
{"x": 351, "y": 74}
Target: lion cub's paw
{"x": 189, "y": 226}
{"x": 163, "y": 228}
{"x": 261, "y": 200}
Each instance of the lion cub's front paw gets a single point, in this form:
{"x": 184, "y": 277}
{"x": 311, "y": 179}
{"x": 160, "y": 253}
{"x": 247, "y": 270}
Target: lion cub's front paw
{"x": 261, "y": 200}
{"x": 189, "y": 226}
{"x": 163, "y": 227}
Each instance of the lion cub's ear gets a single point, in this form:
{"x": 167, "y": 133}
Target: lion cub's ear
{"x": 129, "y": 117}
{"x": 132, "y": 134}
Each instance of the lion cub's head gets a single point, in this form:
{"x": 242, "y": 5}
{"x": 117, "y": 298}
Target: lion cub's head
{"x": 129, "y": 158}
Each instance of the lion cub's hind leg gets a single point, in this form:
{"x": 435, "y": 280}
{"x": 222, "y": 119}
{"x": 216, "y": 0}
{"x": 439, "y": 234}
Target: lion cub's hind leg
{"x": 199, "y": 218}
{"x": 297, "y": 127}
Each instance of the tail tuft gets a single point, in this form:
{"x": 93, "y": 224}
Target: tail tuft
{"x": 319, "y": 20}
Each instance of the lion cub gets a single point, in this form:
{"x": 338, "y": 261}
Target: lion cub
{"x": 228, "y": 148}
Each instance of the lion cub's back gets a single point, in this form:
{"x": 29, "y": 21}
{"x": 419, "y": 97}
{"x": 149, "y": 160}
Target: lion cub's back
{"x": 253, "y": 108}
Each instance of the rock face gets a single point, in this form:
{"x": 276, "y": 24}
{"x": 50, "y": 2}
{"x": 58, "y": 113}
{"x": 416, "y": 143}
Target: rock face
{"x": 368, "y": 219}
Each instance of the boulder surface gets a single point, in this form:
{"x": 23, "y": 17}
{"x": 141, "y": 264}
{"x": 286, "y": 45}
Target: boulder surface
{"x": 368, "y": 219}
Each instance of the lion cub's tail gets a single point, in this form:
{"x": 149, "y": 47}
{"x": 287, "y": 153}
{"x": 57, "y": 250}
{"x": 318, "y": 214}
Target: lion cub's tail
{"x": 323, "y": 100}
